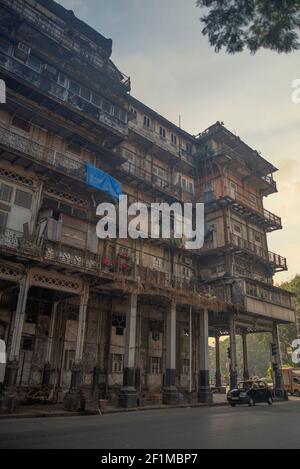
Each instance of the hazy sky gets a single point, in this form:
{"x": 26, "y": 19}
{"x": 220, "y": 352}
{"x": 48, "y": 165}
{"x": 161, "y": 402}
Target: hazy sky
{"x": 159, "y": 44}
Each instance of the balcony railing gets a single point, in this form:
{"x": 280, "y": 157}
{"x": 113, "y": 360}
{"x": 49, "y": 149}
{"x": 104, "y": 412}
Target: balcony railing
{"x": 224, "y": 149}
{"x": 278, "y": 262}
{"x": 272, "y": 295}
{"x": 251, "y": 202}
{"x": 155, "y": 138}
{"x": 157, "y": 182}
{"x": 54, "y": 90}
{"x": 14, "y": 240}
{"x": 13, "y": 141}
{"x": 59, "y": 34}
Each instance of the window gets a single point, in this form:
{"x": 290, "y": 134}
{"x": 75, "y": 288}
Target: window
{"x": 257, "y": 238}
{"x": 155, "y": 336}
{"x": 28, "y": 343}
{"x": 123, "y": 115}
{"x": 119, "y": 320}
{"x": 73, "y": 87}
{"x": 21, "y": 124}
{"x": 147, "y": 122}
{"x": 117, "y": 112}
{"x": 183, "y": 184}
{"x": 116, "y": 363}
{"x": 74, "y": 148}
{"x": 134, "y": 112}
{"x": 162, "y": 132}
{"x": 188, "y": 148}
{"x": 191, "y": 187}
{"x": 155, "y": 365}
{"x": 85, "y": 93}
{"x": 106, "y": 106}
{"x": 4, "y": 45}
{"x": 96, "y": 100}
{"x": 62, "y": 80}
{"x": 185, "y": 366}
{"x": 174, "y": 139}
{"x": 5, "y": 192}
{"x": 23, "y": 199}
{"x": 3, "y": 221}
{"x": 34, "y": 63}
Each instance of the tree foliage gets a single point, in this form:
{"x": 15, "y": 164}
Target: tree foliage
{"x": 258, "y": 345}
{"x": 253, "y": 24}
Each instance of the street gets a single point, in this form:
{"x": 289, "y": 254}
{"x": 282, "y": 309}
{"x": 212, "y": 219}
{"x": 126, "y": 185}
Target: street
{"x": 262, "y": 426}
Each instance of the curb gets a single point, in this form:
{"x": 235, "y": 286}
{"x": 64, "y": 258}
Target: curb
{"x": 106, "y": 412}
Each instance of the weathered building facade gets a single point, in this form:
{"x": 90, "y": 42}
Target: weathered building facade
{"x": 127, "y": 319}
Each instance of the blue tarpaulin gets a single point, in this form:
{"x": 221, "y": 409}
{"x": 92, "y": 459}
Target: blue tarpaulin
{"x": 101, "y": 180}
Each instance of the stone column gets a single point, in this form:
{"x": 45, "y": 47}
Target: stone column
{"x": 8, "y": 397}
{"x": 278, "y": 385}
{"x": 128, "y": 394}
{"x": 233, "y": 369}
{"x": 218, "y": 367}
{"x": 204, "y": 392}
{"x": 170, "y": 392}
{"x": 74, "y": 399}
{"x": 47, "y": 367}
{"x": 245, "y": 357}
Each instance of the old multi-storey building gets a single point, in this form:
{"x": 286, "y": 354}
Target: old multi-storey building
{"x": 125, "y": 319}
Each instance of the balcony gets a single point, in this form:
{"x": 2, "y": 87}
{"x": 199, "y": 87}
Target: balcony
{"x": 11, "y": 141}
{"x": 278, "y": 262}
{"x": 150, "y": 272}
{"x": 267, "y": 301}
{"x": 14, "y": 241}
{"x": 59, "y": 34}
{"x": 225, "y": 153}
{"x": 130, "y": 171}
{"x": 150, "y": 135}
{"x": 245, "y": 203}
{"x": 62, "y": 95}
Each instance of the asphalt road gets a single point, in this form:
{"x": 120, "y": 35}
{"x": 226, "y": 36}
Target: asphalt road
{"x": 262, "y": 426}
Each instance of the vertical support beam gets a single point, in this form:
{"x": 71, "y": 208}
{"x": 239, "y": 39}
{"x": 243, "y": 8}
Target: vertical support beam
{"x": 74, "y": 399}
{"x": 170, "y": 392}
{"x": 233, "y": 367}
{"x": 19, "y": 319}
{"x": 8, "y": 397}
{"x": 276, "y": 364}
{"x": 218, "y": 366}
{"x": 81, "y": 324}
{"x": 47, "y": 367}
{"x": 128, "y": 394}
{"x": 204, "y": 392}
{"x": 245, "y": 357}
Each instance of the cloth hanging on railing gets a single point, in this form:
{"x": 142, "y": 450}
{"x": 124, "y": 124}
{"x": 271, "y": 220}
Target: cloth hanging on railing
{"x": 101, "y": 180}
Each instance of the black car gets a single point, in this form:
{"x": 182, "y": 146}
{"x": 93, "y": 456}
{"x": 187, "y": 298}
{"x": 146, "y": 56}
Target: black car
{"x": 250, "y": 392}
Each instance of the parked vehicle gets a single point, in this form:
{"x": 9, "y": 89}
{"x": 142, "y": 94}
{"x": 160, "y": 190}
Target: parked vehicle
{"x": 250, "y": 392}
{"x": 291, "y": 380}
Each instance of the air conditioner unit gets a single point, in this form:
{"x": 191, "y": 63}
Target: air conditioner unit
{"x": 22, "y": 51}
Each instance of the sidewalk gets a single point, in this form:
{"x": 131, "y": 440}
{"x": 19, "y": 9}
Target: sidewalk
{"x": 57, "y": 410}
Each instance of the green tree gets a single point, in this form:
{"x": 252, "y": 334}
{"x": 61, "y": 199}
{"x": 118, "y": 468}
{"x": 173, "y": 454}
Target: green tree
{"x": 253, "y": 24}
{"x": 289, "y": 332}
